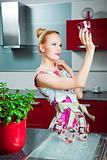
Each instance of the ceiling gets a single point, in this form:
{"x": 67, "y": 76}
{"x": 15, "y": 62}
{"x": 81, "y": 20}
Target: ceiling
{"x": 36, "y": 1}
{"x": 42, "y": 1}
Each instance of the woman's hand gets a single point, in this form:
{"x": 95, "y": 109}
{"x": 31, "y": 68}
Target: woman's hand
{"x": 86, "y": 39}
{"x": 61, "y": 64}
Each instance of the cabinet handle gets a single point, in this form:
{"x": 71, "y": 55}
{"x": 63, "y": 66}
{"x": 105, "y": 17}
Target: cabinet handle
{"x": 96, "y": 46}
{"x": 35, "y": 103}
{"x": 87, "y": 105}
{"x": 81, "y": 47}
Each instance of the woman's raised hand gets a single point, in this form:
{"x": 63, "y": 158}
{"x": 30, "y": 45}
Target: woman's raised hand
{"x": 86, "y": 39}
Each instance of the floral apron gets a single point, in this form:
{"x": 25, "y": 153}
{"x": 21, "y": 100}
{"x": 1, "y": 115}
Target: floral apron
{"x": 70, "y": 121}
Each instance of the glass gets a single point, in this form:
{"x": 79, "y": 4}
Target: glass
{"x": 55, "y": 149}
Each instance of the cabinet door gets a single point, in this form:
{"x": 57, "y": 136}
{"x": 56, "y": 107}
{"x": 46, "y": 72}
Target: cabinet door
{"x": 98, "y": 30}
{"x": 99, "y": 110}
{"x": 41, "y": 115}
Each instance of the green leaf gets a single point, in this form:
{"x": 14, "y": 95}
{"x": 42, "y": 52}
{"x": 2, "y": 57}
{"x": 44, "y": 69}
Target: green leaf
{"x": 26, "y": 99}
{"x": 4, "y": 114}
{"x": 0, "y": 109}
{"x": 17, "y": 91}
{"x": 18, "y": 120}
{"x": 8, "y": 119}
{"x": 13, "y": 106}
{"x": 11, "y": 112}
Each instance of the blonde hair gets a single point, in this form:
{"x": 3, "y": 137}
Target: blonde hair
{"x": 42, "y": 34}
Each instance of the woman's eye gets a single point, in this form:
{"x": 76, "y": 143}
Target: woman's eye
{"x": 60, "y": 45}
{"x": 53, "y": 44}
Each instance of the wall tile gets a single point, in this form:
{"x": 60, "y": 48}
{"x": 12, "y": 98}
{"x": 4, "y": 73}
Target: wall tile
{"x": 49, "y": 13}
{"x": 1, "y": 39}
{"x": 25, "y": 60}
{"x": 99, "y": 61}
{"x": 60, "y": 27}
{"x": 66, "y": 56}
{"x": 0, "y": 16}
{"x": 96, "y": 79}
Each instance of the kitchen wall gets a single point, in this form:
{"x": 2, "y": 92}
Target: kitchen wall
{"x": 17, "y": 66}
{"x": 98, "y": 73}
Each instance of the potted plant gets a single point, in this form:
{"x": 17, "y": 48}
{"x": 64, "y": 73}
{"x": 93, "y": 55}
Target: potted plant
{"x": 13, "y": 114}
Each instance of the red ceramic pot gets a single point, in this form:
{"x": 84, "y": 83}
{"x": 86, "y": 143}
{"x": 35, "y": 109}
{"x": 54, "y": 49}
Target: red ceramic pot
{"x": 12, "y": 137}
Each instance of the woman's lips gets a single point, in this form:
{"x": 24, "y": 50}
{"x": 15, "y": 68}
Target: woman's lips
{"x": 58, "y": 54}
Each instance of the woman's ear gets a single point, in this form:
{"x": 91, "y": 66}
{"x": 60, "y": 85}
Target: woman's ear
{"x": 41, "y": 48}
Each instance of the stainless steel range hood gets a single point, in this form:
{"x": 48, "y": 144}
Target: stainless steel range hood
{"x": 14, "y": 31}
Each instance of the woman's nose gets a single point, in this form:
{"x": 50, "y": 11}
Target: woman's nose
{"x": 59, "y": 49}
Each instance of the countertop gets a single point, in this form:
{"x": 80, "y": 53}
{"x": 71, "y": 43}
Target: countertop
{"x": 34, "y": 137}
{"x": 87, "y": 95}
{"x": 37, "y": 139}
{"x": 54, "y": 148}
{"x": 100, "y": 96}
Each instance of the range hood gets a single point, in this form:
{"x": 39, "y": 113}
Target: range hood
{"x": 14, "y": 28}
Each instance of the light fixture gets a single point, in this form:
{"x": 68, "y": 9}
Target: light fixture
{"x": 87, "y": 13}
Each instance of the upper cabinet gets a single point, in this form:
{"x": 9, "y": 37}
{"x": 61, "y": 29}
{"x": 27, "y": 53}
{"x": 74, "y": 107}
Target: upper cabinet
{"x": 98, "y": 30}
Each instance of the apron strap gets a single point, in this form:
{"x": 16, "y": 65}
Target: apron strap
{"x": 74, "y": 106}
{"x": 84, "y": 109}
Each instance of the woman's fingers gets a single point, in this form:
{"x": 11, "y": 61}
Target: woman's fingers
{"x": 91, "y": 42}
{"x": 82, "y": 36}
{"x": 90, "y": 37}
{"x": 80, "y": 32}
{"x": 87, "y": 37}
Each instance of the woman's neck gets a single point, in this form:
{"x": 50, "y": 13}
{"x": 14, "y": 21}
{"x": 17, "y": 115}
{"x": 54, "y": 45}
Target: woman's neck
{"x": 48, "y": 65}
{"x": 48, "y": 68}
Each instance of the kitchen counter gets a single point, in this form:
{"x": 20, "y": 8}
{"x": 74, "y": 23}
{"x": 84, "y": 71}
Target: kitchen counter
{"x": 88, "y": 95}
{"x": 100, "y": 96}
{"x": 34, "y": 137}
{"x": 39, "y": 144}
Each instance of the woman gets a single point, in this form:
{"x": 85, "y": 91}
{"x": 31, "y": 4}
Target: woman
{"x": 57, "y": 82}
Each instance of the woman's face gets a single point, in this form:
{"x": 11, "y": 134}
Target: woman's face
{"x": 53, "y": 46}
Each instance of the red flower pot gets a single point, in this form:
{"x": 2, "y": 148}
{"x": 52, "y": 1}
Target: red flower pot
{"x": 12, "y": 137}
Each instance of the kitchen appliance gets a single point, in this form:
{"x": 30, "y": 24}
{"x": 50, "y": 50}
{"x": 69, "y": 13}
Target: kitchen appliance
{"x": 14, "y": 28}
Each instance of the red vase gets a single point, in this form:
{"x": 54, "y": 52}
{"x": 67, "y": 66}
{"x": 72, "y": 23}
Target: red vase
{"x": 12, "y": 137}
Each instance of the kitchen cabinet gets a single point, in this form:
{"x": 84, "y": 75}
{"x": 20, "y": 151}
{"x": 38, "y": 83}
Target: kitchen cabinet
{"x": 41, "y": 115}
{"x": 99, "y": 110}
{"x": 98, "y": 30}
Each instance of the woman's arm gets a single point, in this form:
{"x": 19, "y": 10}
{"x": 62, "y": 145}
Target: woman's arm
{"x": 79, "y": 81}
{"x": 77, "y": 91}
{"x": 62, "y": 65}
